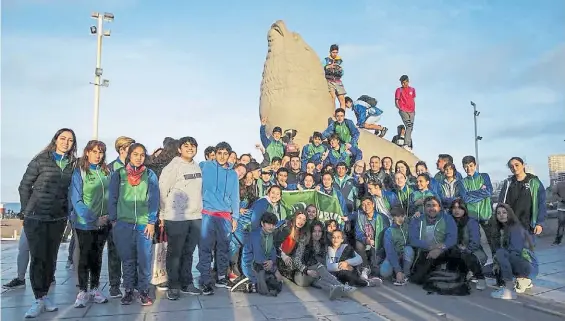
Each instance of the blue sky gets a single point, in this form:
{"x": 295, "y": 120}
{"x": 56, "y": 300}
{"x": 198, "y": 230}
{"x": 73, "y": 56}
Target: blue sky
{"x": 194, "y": 68}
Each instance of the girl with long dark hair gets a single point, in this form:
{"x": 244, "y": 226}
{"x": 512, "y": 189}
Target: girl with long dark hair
{"x": 89, "y": 198}
{"x": 471, "y": 255}
{"x": 287, "y": 238}
{"x": 44, "y": 201}
{"x": 310, "y": 259}
{"x": 513, "y": 249}
{"x": 133, "y": 205}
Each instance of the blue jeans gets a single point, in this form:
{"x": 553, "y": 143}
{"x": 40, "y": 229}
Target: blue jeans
{"x": 216, "y": 231}
{"x": 239, "y": 238}
{"x": 511, "y": 264}
{"x": 405, "y": 259}
{"x": 136, "y": 252}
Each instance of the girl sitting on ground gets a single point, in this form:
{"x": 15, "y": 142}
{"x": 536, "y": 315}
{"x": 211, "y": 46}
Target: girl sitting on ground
{"x": 343, "y": 262}
{"x": 513, "y": 249}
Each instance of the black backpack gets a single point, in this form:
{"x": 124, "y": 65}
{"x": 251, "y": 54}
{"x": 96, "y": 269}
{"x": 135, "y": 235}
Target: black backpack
{"x": 369, "y": 100}
{"x": 447, "y": 283}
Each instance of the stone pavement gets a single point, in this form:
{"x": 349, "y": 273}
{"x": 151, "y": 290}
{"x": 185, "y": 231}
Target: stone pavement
{"x": 546, "y": 302}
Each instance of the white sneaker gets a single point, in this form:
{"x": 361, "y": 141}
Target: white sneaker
{"x": 82, "y": 299}
{"x": 348, "y": 288}
{"x": 49, "y": 305}
{"x": 522, "y": 284}
{"x": 97, "y": 296}
{"x": 481, "y": 284}
{"x": 36, "y": 309}
{"x": 504, "y": 294}
{"x": 407, "y": 148}
{"x": 375, "y": 281}
{"x": 365, "y": 274}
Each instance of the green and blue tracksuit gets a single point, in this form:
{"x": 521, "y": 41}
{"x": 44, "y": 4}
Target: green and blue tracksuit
{"x": 451, "y": 191}
{"x": 312, "y": 153}
{"x": 346, "y": 131}
{"x": 348, "y": 188}
{"x": 341, "y": 155}
{"x": 424, "y": 232}
{"x": 273, "y": 148}
{"x": 132, "y": 208}
{"x": 258, "y": 250}
{"x": 419, "y": 195}
{"x": 89, "y": 197}
{"x": 397, "y": 250}
{"x": 477, "y": 199}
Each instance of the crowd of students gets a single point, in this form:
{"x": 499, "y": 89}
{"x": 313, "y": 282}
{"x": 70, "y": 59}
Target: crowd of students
{"x": 395, "y": 225}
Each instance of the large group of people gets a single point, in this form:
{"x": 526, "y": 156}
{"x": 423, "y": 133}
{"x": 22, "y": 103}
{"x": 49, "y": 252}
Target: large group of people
{"x": 395, "y": 225}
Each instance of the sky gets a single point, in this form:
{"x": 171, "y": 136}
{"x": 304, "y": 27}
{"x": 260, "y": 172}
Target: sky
{"x": 188, "y": 68}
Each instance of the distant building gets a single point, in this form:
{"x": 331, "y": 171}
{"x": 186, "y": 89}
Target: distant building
{"x": 556, "y": 165}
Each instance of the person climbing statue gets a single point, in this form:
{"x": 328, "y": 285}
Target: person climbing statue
{"x": 367, "y": 113}
{"x": 334, "y": 71}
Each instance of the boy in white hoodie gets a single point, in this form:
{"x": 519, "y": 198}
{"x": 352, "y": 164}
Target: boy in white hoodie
{"x": 180, "y": 185}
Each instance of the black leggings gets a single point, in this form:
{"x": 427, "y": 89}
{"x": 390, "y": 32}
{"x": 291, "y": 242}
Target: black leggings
{"x": 44, "y": 238}
{"x": 90, "y": 246}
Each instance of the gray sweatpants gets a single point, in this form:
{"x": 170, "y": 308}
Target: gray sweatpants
{"x": 408, "y": 120}
{"x": 23, "y": 255}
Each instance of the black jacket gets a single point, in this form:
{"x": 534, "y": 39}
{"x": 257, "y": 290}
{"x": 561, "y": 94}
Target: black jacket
{"x": 44, "y": 188}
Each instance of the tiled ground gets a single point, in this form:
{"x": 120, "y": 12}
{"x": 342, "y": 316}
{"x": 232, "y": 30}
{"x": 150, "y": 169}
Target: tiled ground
{"x": 384, "y": 303}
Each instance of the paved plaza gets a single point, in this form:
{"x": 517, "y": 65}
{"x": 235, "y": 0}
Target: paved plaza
{"x": 546, "y": 301}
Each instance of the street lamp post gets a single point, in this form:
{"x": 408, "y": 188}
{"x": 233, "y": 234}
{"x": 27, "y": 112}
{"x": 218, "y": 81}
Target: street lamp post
{"x": 100, "y": 33}
{"x": 477, "y": 137}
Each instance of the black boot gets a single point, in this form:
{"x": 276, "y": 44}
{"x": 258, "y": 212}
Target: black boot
{"x": 557, "y": 240}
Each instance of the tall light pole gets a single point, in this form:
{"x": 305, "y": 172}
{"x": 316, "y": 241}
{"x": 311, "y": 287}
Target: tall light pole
{"x": 100, "y": 33}
{"x": 477, "y": 137}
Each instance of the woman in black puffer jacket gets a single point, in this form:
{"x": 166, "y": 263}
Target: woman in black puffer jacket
{"x": 44, "y": 201}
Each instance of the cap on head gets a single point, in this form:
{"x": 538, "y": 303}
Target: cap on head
{"x": 403, "y": 78}
{"x": 277, "y": 130}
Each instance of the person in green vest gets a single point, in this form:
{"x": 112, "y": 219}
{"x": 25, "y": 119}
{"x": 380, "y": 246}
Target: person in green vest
{"x": 418, "y": 196}
{"x": 477, "y": 193}
{"x": 471, "y": 255}
{"x": 347, "y": 186}
{"x": 384, "y": 200}
{"x": 122, "y": 145}
{"x": 340, "y": 152}
{"x": 525, "y": 194}
{"x": 133, "y": 204}
{"x": 274, "y": 146}
{"x": 402, "y": 190}
{"x": 314, "y": 151}
{"x": 114, "y": 263}
{"x": 369, "y": 232}
{"x": 89, "y": 216}
{"x": 399, "y": 253}
{"x": 344, "y": 128}
{"x": 264, "y": 182}
{"x": 431, "y": 235}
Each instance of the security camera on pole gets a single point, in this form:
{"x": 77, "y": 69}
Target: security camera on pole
{"x": 99, "y": 32}
{"x": 477, "y": 137}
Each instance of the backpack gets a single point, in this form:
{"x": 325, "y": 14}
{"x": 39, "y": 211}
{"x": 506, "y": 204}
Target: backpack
{"x": 447, "y": 283}
{"x": 369, "y": 100}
